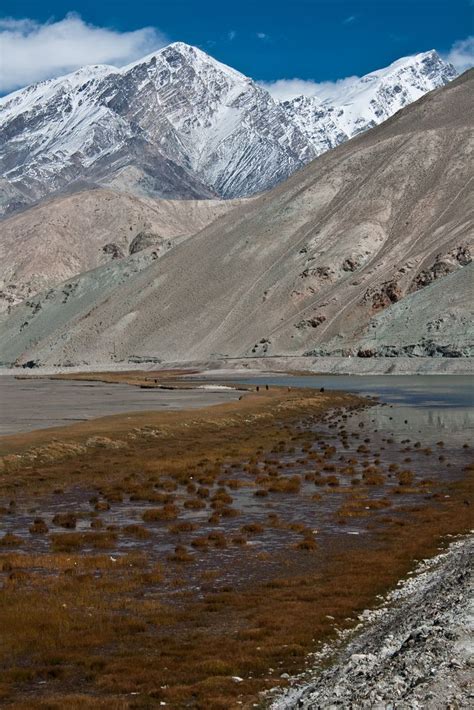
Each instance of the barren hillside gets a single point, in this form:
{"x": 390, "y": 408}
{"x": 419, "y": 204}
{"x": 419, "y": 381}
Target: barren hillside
{"x": 50, "y": 243}
{"x": 305, "y": 266}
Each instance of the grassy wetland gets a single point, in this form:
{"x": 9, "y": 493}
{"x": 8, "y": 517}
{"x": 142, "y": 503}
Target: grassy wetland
{"x": 193, "y": 559}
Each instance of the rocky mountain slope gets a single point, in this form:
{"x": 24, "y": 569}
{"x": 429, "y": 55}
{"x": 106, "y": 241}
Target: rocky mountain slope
{"x": 50, "y": 243}
{"x": 305, "y": 266}
{"x": 179, "y": 124}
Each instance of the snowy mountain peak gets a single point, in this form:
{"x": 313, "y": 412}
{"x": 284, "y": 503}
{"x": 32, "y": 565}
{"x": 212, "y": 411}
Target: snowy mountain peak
{"x": 328, "y": 121}
{"x": 179, "y": 123}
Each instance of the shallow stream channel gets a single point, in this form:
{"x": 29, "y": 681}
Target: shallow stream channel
{"x": 346, "y": 474}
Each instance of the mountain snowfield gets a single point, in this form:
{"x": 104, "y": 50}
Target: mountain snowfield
{"x": 179, "y": 124}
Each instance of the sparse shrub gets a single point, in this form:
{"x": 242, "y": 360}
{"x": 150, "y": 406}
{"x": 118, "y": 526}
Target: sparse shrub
{"x": 65, "y": 542}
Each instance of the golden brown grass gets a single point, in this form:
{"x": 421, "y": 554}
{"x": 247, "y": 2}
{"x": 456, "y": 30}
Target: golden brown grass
{"x": 89, "y": 630}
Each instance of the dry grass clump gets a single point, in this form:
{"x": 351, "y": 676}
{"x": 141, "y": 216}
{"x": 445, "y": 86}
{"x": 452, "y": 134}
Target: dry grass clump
{"x": 137, "y": 531}
{"x": 194, "y": 504}
{"x": 405, "y": 477}
{"x": 180, "y": 555}
{"x": 38, "y": 527}
{"x": 228, "y": 512}
{"x": 201, "y": 542}
{"x": 65, "y": 520}
{"x": 217, "y": 539}
{"x": 10, "y": 540}
{"x": 252, "y": 529}
{"x": 183, "y": 526}
{"x": 155, "y": 515}
{"x": 285, "y": 485}
{"x": 308, "y": 544}
{"x": 64, "y": 542}
{"x": 240, "y": 540}
{"x": 102, "y": 505}
{"x": 373, "y": 476}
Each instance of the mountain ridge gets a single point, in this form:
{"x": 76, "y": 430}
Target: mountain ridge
{"x": 177, "y": 124}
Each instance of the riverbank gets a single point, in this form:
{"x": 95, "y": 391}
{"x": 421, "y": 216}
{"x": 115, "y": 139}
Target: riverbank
{"x": 415, "y": 651}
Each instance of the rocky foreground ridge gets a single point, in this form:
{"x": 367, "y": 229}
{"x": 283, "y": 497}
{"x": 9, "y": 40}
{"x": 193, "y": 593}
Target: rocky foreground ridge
{"x": 415, "y": 651}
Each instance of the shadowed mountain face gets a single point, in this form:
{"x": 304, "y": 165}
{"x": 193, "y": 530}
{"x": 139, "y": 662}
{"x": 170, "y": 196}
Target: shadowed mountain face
{"x": 303, "y": 268}
{"x": 179, "y": 124}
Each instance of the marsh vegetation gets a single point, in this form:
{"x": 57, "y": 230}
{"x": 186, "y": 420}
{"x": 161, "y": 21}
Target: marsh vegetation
{"x": 193, "y": 559}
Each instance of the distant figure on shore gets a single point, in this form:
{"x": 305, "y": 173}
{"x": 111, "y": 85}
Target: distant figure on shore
{"x": 266, "y": 387}
{"x": 257, "y": 388}
{"x": 322, "y": 389}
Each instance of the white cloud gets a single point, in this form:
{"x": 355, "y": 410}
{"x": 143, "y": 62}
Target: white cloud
{"x": 262, "y": 35}
{"x": 461, "y": 54}
{"x": 285, "y": 89}
{"x": 349, "y": 20}
{"x": 30, "y": 51}
{"x": 232, "y": 35}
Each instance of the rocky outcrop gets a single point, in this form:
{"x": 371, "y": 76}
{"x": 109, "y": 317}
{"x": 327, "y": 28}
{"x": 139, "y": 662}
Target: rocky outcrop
{"x": 143, "y": 240}
{"x": 442, "y": 266}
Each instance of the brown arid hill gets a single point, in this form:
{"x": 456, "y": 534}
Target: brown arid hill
{"x": 304, "y": 268}
{"x": 58, "y": 239}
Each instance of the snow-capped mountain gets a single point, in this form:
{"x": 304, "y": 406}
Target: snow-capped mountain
{"x": 369, "y": 100}
{"x": 180, "y": 124}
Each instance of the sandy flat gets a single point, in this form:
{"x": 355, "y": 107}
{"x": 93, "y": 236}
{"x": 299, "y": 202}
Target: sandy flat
{"x": 26, "y": 405}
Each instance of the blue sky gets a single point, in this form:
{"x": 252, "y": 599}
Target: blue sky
{"x": 319, "y": 40}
